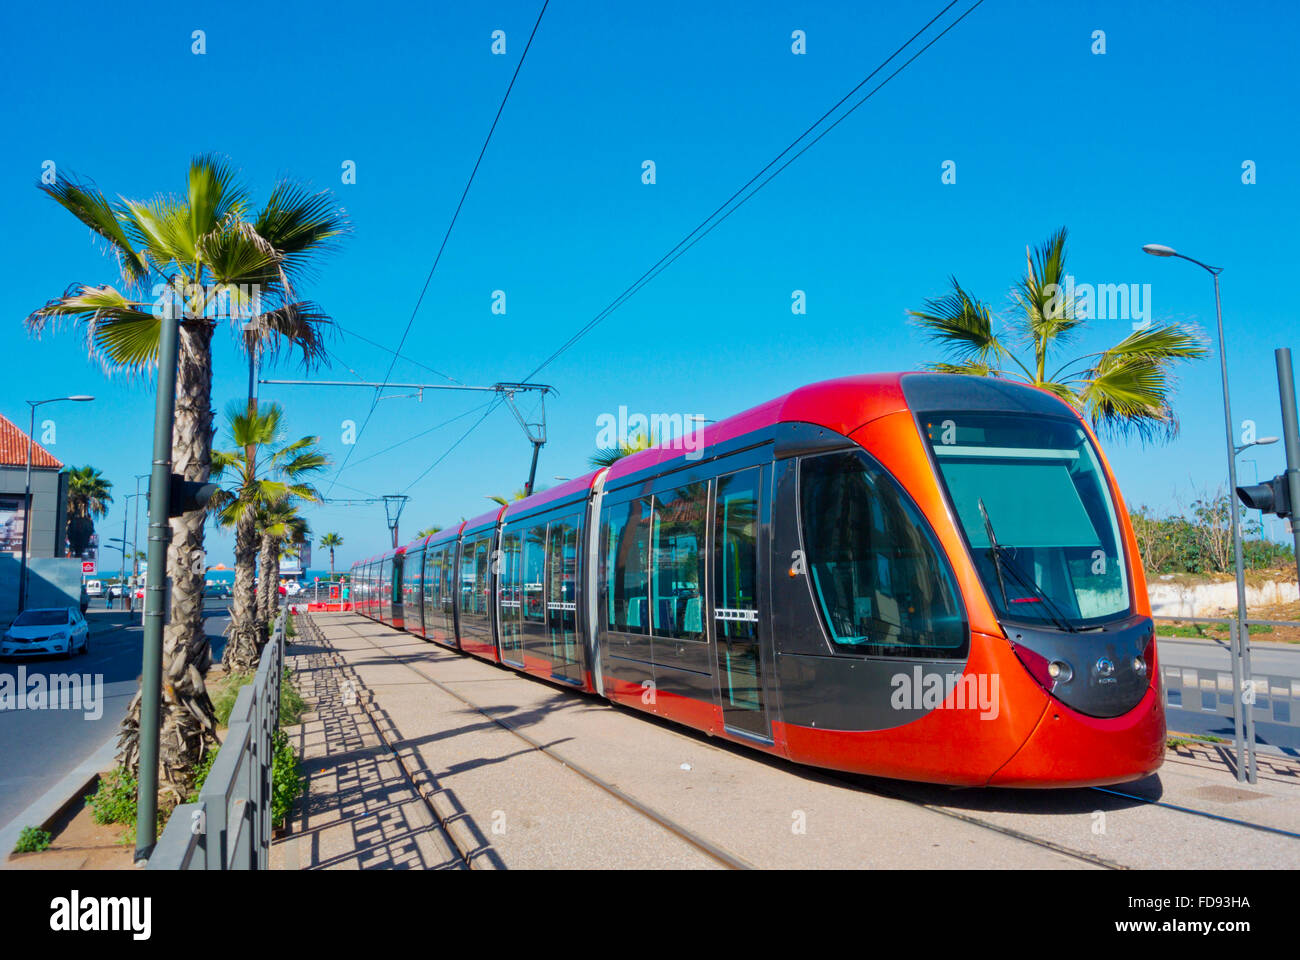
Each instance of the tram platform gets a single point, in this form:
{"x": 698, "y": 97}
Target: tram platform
{"x": 421, "y": 757}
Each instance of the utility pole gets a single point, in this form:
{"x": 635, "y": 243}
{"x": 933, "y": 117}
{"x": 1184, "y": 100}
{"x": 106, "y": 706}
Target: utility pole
{"x": 393, "y": 504}
{"x": 1291, "y": 437}
{"x": 169, "y": 496}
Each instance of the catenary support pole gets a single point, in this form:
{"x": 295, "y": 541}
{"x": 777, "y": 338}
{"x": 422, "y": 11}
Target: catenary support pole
{"x": 155, "y": 594}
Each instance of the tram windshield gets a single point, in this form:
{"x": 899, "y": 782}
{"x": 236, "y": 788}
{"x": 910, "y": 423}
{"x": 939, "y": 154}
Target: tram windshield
{"x": 1036, "y": 510}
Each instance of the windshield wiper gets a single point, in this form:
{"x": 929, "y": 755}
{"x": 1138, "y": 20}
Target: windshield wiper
{"x": 1000, "y": 562}
{"x": 996, "y": 553}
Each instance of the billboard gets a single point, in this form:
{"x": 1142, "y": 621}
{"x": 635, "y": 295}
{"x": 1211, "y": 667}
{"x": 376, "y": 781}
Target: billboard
{"x": 11, "y": 524}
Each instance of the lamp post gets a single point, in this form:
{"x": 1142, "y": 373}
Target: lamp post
{"x": 1243, "y": 713}
{"x": 129, "y": 592}
{"x": 27, "y": 495}
{"x": 135, "y": 536}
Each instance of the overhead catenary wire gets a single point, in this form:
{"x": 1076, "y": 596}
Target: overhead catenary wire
{"x": 446, "y": 236}
{"x": 709, "y": 223}
{"x": 704, "y": 228}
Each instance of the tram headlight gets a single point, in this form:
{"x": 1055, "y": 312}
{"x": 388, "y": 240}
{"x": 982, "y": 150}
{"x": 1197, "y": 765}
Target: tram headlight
{"x": 1059, "y": 671}
{"x": 1139, "y": 666}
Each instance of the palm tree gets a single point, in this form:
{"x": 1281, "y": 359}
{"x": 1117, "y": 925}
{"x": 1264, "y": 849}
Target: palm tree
{"x": 88, "y": 500}
{"x": 607, "y": 458}
{"x": 281, "y": 529}
{"x": 254, "y": 481}
{"x": 332, "y": 540}
{"x": 1124, "y": 390}
{"x": 202, "y": 249}
{"x": 517, "y": 495}
{"x": 426, "y": 532}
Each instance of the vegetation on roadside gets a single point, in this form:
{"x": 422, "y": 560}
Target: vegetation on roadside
{"x": 32, "y": 840}
{"x": 114, "y": 801}
{"x": 1198, "y": 540}
{"x": 1173, "y": 743}
{"x": 287, "y": 779}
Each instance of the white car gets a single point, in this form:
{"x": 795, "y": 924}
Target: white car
{"x": 94, "y": 588}
{"x": 44, "y": 631}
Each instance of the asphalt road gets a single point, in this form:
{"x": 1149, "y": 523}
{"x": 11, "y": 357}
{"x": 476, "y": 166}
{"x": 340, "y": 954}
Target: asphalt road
{"x": 40, "y": 746}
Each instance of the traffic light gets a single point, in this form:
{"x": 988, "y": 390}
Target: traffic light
{"x": 1271, "y": 497}
{"x": 184, "y": 496}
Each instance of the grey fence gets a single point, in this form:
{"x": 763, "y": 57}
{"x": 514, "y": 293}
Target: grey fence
{"x": 229, "y": 826}
{"x": 1209, "y": 689}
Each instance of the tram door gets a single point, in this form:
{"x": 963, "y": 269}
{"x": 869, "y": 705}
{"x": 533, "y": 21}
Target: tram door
{"x": 734, "y": 602}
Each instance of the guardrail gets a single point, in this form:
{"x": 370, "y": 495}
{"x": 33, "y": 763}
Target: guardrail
{"x": 229, "y": 826}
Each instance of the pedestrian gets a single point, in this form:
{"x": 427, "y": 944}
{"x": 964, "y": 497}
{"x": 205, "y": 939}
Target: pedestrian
{"x": 110, "y": 598}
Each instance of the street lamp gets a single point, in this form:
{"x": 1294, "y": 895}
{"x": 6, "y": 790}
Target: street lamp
{"x": 1241, "y": 645}
{"x": 126, "y": 512}
{"x": 27, "y": 496}
{"x": 1262, "y": 441}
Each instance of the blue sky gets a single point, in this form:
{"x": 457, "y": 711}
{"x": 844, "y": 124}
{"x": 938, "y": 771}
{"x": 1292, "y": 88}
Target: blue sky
{"x": 1142, "y": 144}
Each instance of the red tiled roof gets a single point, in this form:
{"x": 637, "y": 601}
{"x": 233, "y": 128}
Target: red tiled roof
{"x": 13, "y": 448}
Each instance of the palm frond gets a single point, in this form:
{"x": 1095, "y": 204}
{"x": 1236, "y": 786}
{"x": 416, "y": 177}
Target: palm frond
{"x": 125, "y": 335}
{"x": 91, "y": 207}
{"x": 971, "y": 367}
{"x": 300, "y": 225}
{"x": 302, "y": 325}
{"x": 1046, "y": 312}
{"x": 962, "y": 325}
{"x": 1128, "y": 396}
{"x": 1162, "y": 344}
{"x": 212, "y": 194}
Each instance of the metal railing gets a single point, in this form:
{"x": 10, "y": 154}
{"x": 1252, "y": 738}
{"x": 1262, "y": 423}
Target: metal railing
{"x": 229, "y": 826}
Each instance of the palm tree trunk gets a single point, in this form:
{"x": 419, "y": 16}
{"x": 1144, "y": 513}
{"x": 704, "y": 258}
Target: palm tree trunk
{"x": 242, "y": 646}
{"x": 273, "y": 585}
{"x": 188, "y": 722}
{"x": 267, "y": 585}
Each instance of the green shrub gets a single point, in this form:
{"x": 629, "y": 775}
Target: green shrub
{"x": 201, "y": 774}
{"x": 223, "y": 704}
{"x": 287, "y": 781}
{"x": 115, "y": 800}
{"x": 292, "y": 705}
{"x": 32, "y": 840}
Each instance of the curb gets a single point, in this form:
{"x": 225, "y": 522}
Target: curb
{"x": 59, "y": 799}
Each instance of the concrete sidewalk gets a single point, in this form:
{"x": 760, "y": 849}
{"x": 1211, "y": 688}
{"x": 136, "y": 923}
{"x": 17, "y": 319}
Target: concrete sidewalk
{"x": 360, "y": 811}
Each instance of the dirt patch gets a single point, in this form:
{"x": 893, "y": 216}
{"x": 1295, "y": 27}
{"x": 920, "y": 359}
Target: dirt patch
{"x": 79, "y": 844}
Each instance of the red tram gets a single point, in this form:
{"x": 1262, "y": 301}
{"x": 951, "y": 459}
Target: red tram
{"x": 920, "y": 576}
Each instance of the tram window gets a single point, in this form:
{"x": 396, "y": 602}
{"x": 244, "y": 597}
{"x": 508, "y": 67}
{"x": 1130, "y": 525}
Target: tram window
{"x": 627, "y": 546}
{"x": 562, "y": 599}
{"x": 429, "y": 584}
{"x": 735, "y": 556}
{"x": 510, "y": 598}
{"x": 447, "y": 590}
{"x": 875, "y": 569}
{"x": 481, "y": 558}
{"x": 534, "y": 569}
{"x": 465, "y": 588}
{"x": 677, "y": 568}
